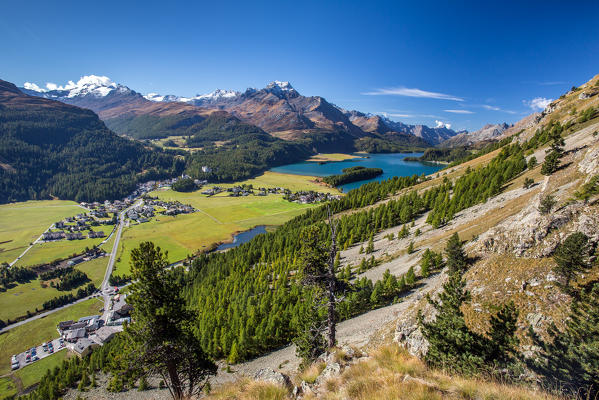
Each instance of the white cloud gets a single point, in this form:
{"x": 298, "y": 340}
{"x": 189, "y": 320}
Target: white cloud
{"x": 538, "y": 103}
{"x": 441, "y": 124}
{"x": 33, "y": 86}
{"x": 492, "y": 108}
{"x": 459, "y": 111}
{"x": 400, "y": 115}
{"x": 412, "y": 92}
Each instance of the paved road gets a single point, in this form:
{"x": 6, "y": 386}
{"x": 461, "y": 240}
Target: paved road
{"x": 44, "y": 314}
{"x": 106, "y": 290}
{"x": 32, "y": 244}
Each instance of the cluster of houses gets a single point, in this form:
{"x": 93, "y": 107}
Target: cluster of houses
{"x": 212, "y": 191}
{"x": 101, "y": 210}
{"x": 89, "y": 255}
{"x": 72, "y": 228}
{"x": 87, "y": 333}
{"x": 152, "y": 205}
{"x": 310, "y": 197}
{"x": 141, "y": 213}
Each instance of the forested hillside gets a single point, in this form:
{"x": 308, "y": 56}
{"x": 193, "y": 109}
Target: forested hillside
{"x": 258, "y": 311}
{"x": 235, "y": 150}
{"x": 48, "y": 149}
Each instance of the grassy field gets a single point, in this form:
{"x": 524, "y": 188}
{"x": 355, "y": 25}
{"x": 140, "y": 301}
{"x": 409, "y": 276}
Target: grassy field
{"x": 7, "y": 388}
{"x": 107, "y": 247}
{"x": 32, "y": 374}
{"x": 218, "y": 219}
{"x": 292, "y": 182}
{"x": 23, "y": 223}
{"x": 16, "y": 301}
{"x": 35, "y": 332}
{"x": 47, "y": 252}
{"x": 320, "y": 157}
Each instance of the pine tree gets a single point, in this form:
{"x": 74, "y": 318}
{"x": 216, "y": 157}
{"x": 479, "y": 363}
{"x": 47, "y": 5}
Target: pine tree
{"x": 551, "y": 163}
{"x": 532, "y": 162}
{"x": 310, "y": 340}
{"x": 503, "y": 343}
{"x": 452, "y": 345}
{"x": 546, "y": 204}
{"x": 456, "y": 258}
{"x": 161, "y": 339}
{"x": 528, "y": 182}
{"x": 411, "y": 248}
{"x": 370, "y": 246}
{"x": 571, "y": 257}
{"x": 569, "y": 359}
{"x": 555, "y": 153}
{"x": 425, "y": 263}
{"x": 410, "y": 277}
{"x": 234, "y": 354}
{"x": 84, "y": 382}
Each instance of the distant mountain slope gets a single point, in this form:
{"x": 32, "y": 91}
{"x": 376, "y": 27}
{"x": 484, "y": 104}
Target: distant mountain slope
{"x": 487, "y": 133}
{"x": 278, "y": 109}
{"x": 392, "y": 130}
{"x": 235, "y": 150}
{"x": 124, "y": 110}
{"x": 48, "y": 148}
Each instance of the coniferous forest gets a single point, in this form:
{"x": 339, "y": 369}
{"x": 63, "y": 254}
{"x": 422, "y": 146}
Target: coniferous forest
{"x": 49, "y": 149}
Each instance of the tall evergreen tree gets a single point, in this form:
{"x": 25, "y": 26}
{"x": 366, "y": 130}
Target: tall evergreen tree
{"x": 554, "y": 154}
{"x": 571, "y": 257}
{"x": 569, "y": 358}
{"x": 456, "y": 258}
{"x": 161, "y": 338}
{"x": 452, "y": 345}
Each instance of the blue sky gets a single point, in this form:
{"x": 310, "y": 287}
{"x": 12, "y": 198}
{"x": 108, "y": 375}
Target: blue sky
{"x": 464, "y": 64}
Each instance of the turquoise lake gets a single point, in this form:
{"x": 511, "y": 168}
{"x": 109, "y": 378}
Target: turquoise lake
{"x": 392, "y": 164}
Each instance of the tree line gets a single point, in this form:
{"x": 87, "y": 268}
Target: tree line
{"x": 352, "y": 174}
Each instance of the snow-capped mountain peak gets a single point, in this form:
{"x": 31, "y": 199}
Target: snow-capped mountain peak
{"x": 280, "y": 85}
{"x": 216, "y": 95}
{"x": 98, "y": 86}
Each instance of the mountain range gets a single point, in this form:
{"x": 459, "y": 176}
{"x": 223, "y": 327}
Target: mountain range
{"x": 278, "y": 109}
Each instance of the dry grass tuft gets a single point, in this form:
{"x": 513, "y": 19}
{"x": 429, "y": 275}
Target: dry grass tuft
{"x": 246, "y": 389}
{"x": 311, "y": 373}
{"x": 391, "y": 373}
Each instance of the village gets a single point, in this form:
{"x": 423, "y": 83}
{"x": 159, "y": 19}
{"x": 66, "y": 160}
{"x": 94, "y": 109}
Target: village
{"x": 81, "y": 336}
{"x": 302, "y": 197}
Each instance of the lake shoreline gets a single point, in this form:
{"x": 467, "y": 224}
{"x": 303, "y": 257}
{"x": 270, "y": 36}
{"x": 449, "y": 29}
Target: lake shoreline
{"x": 393, "y": 164}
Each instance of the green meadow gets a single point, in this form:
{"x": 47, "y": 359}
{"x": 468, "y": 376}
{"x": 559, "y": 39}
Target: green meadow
{"x": 219, "y": 217}
{"x": 47, "y": 252}
{"x": 16, "y": 301}
{"x": 22, "y": 223}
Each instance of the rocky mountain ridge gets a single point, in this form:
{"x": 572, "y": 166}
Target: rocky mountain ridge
{"x": 278, "y": 108}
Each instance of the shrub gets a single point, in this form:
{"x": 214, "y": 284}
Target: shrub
{"x": 528, "y": 182}
{"x": 547, "y": 204}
